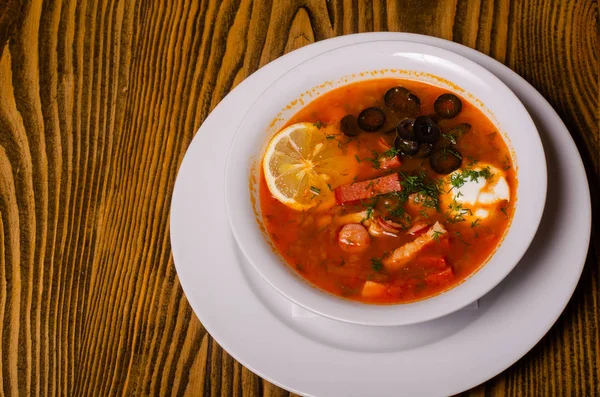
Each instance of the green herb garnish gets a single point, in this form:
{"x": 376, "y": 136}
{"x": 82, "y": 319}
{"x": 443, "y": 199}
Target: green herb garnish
{"x": 370, "y": 208}
{"x": 397, "y": 212}
{"x": 375, "y": 160}
{"x": 315, "y": 190}
{"x": 319, "y": 124}
{"x": 472, "y": 161}
{"x": 450, "y": 137}
{"x": 456, "y": 212}
{"x": 426, "y": 191}
{"x": 420, "y": 189}
{"x": 458, "y": 179}
{"x": 391, "y": 152}
{"x": 445, "y": 150}
{"x": 376, "y": 264}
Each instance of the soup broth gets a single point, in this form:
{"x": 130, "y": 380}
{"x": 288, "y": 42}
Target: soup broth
{"x": 417, "y": 193}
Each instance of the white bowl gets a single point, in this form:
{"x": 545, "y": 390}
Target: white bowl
{"x": 350, "y": 64}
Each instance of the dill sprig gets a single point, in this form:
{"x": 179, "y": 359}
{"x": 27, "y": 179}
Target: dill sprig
{"x": 376, "y": 264}
{"x": 426, "y": 191}
{"x": 456, "y": 212}
{"x": 458, "y": 179}
{"x": 375, "y": 160}
{"x": 391, "y": 152}
{"x": 370, "y": 207}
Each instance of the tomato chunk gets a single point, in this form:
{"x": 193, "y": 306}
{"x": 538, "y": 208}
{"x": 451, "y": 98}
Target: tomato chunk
{"x": 441, "y": 278}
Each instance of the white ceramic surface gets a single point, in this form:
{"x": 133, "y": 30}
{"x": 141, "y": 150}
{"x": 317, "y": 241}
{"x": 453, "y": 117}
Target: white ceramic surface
{"x": 322, "y": 357}
{"x": 348, "y": 64}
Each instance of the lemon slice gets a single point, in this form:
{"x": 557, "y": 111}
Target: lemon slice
{"x": 303, "y": 163}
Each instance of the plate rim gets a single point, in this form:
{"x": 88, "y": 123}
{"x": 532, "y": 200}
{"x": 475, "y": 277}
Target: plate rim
{"x": 406, "y": 37}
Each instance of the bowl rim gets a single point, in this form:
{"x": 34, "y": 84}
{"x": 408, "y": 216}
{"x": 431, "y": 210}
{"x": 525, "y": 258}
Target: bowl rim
{"x": 311, "y": 297}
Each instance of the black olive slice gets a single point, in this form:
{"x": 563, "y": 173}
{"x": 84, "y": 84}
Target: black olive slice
{"x": 404, "y": 129}
{"x": 452, "y": 137}
{"x": 371, "y": 119}
{"x": 445, "y": 160}
{"x": 407, "y": 123}
{"x": 349, "y": 125}
{"x": 425, "y": 150}
{"x": 460, "y": 130}
{"x": 447, "y": 106}
{"x": 426, "y": 130}
{"x": 402, "y": 100}
{"x": 406, "y": 147}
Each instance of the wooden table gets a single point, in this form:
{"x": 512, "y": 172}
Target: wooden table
{"x": 99, "y": 101}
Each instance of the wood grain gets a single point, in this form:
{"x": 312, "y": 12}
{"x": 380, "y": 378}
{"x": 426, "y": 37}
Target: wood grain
{"x": 99, "y": 101}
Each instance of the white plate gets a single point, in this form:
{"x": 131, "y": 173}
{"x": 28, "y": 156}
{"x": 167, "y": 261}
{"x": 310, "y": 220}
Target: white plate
{"x": 390, "y": 59}
{"x": 322, "y": 357}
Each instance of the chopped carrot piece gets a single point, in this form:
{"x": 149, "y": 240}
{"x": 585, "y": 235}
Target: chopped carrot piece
{"x": 367, "y": 189}
{"x": 371, "y": 289}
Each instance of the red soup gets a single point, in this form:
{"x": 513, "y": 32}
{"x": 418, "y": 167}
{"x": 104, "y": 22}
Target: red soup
{"x": 387, "y": 191}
